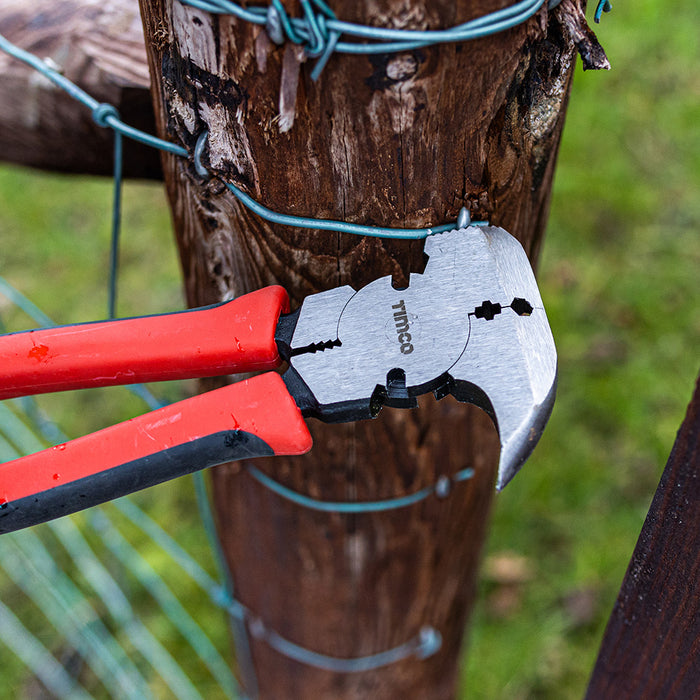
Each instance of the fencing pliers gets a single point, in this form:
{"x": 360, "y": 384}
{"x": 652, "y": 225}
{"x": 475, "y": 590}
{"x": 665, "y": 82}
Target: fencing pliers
{"x": 472, "y": 324}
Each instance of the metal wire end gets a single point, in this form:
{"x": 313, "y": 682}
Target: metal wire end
{"x": 429, "y": 642}
{"x": 603, "y": 6}
{"x": 202, "y": 171}
{"x": 273, "y": 25}
{"x": 443, "y": 487}
{"x": 464, "y": 218}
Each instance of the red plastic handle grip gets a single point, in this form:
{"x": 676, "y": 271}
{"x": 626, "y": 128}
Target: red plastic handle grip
{"x": 237, "y": 336}
{"x": 252, "y": 418}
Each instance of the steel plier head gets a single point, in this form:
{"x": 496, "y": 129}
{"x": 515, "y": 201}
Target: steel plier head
{"x": 472, "y": 324}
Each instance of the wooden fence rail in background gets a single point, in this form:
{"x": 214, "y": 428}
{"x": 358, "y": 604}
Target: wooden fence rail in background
{"x": 97, "y": 44}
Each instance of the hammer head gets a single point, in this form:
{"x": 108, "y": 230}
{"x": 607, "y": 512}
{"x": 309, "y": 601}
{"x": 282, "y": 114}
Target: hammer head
{"x": 472, "y": 324}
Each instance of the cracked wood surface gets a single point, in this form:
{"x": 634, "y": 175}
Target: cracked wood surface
{"x": 403, "y": 140}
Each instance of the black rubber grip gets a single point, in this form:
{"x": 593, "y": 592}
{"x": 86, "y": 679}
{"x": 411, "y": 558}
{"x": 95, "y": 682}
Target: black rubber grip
{"x": 204, "y": 452}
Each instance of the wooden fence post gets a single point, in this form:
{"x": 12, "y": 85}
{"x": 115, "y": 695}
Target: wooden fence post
{"x": 650, "y": 648}
{"x": 397, "y": 139}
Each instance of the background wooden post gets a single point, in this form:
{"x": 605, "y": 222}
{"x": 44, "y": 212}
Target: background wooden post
{"x": 98, "y": 44}
{"x": 396, "y": 140}
{"x": 650, "y": 648}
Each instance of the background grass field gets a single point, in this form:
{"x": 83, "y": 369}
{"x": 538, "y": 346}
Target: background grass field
{"x": 619, "y": 275}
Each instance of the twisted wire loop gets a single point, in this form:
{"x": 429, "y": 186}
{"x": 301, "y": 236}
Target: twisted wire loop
{"x": 320, "y": 32}
{"x": 105, "y": 115}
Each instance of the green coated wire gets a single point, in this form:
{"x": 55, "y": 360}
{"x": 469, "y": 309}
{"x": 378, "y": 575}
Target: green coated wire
{"x": 339, "y": 226}
{"x": 106, "y": 115}
{"x": 226, "y": 590}
{"x": 426, "y": 643}
{"x": 132, "y": 560}
{"x": 603, "y": 6}
{"x": 168, "y": 544}
{"x": 109, "y": 592}
{"x": 38, "y": 659}
{"x": 121, "y": 611}
{"x": 7, "y": 450}
{"x": 322, "y": 22}
{"x": 220, "y": 594}
{"x": 24, "y": 441}
{"x": 25, "y": 304}
{"x": 116, "y": 226}
{"x": 319, "y": 30}
{"x": 36, "y": 417}
{"x": 17, "y": 432}
{"x": 353, "y": 506}
{"x": 27, "y": 562}
{"x": 103, "y": 114}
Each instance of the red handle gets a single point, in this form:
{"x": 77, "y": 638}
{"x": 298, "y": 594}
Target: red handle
{"x": 252, "y": 418}
{"x": 237, "y": 336}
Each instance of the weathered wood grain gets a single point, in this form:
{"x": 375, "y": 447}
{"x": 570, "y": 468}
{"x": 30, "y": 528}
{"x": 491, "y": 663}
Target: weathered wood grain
{"x": 97, "y": 44}
{"x": 393, "y": 140}
{"x": 651, "y": 647}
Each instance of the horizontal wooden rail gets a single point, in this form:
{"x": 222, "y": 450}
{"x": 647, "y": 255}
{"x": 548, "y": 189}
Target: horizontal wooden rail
{"x": 97, "y": 44}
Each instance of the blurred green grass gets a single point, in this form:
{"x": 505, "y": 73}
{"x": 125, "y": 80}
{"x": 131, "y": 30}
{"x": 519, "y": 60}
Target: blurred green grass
{"x": 54, "y": 238}
{"x": 619, "y": 276}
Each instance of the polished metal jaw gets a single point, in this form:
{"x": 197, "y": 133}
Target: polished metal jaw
{"x": 472, "y": 324}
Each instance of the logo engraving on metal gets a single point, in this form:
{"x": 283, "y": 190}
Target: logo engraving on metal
{"x": 401, "y": 324}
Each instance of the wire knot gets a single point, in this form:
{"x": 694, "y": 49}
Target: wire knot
{"x": 103, "y": 112}
{"x": 429, "y": 642}
{"x": 311, "y": 31}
